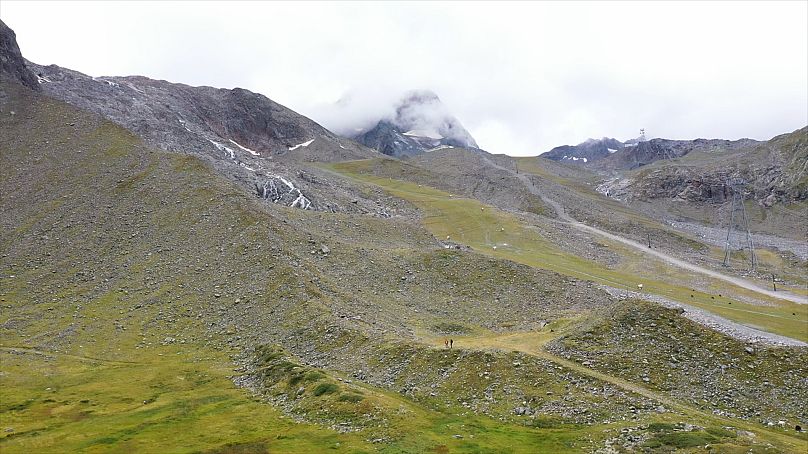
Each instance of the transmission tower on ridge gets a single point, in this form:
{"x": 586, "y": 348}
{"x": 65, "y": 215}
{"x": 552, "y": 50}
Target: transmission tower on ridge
{"x": 738, "y": 223}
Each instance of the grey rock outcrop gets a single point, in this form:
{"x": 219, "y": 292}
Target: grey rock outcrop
{"x": 12, "y": 65}
{"x": 587, "y": 152}
{"x": 245, "y": 136}
{"x": 775, "y": 171}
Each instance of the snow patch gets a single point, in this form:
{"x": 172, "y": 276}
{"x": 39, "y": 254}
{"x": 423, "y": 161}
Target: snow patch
{"x": 612, "y": 150}
{"x": 109, "y": 82}
{"x": 135, "y": 88}
{"x": 271, "y": 191}
{"x": 430, "y": 133}
{"x": 441, "y": 147}
{"x": 575, "y": 158}
{"x": 246, "y": 167}
{"x": 221, "y": 147}
{"x": 42, "y": 79}
{"x": 182, "y": 122}
{"x": 252, "y": 152}
{"x": 304, "y": 144}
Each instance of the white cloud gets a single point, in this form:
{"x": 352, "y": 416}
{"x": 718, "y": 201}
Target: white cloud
{"x": 521, "y": 77}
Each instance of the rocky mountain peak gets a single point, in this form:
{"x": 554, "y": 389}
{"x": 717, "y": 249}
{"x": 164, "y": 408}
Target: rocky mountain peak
{"x": 585, "y": 152}
{"x": 417, "y": 123}
{"x": 12, "y": 65}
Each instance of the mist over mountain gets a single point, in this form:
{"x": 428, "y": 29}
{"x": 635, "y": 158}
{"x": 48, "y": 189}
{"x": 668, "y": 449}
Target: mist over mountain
{"x": 412, "y": 123}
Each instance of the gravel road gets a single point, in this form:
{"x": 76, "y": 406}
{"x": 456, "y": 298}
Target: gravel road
{"x": 564, "y": 216}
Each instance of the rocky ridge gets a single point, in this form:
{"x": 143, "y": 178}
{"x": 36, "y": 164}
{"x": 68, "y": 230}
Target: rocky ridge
{"x": 12, "y": 64}
{"x": 249, "y": 138}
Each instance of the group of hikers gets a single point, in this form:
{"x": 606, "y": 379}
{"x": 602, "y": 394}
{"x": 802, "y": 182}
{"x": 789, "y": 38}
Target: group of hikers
{"x": 448, "y": 343}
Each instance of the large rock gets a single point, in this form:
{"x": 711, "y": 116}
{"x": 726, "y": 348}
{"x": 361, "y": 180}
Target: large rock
{"x": 12, "y": 65}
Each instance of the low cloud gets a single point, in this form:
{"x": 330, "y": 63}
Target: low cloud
{"x": 521, "y": 77}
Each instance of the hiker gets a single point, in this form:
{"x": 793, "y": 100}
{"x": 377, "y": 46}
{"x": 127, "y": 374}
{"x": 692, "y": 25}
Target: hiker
{"x": 451, "y": 342}
{"x": 446, "y": 343}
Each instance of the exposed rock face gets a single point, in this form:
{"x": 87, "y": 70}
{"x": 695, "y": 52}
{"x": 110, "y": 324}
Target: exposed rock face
{"x": 178, "y": 117}
{"x": 775, "y": 171}
{"x": 12, "y": 65}
{"x": 244, "y": 135}
{"x": 611, "y": 154}
{"x": 632, "y": 156}
{"x": 587, "y": 152}
{"x": 421, "y": 123}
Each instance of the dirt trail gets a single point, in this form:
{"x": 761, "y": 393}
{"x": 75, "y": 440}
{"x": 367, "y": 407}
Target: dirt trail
{"x": 565, "y": 217}
{"x": 533, "y": 344}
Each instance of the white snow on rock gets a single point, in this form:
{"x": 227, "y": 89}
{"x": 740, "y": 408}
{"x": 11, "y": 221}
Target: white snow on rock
{"x": 182, "y": 122}
{"x": 135, "y": 88}
{"x": 304, "y": 144}
{"x": 42, "y": 79}
{"x": 574, "y": 158}
{"x": 271, "y": 191}
{"x": 612, "y": 150}
{"x": 221, "y": 147}
{"x": 252, "y": 152}
{"x": 301, "y": 202}
{"x": 430, "y": 133}
{"x": 109, "y": 82}
{"x": 441, "y": 147}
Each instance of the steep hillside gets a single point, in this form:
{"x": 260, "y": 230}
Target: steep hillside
{"x": 123, "y": 262}
{"x": 245, "y": 136}
{"x": 135, "y": 293}
{"x": 759, "y": 383}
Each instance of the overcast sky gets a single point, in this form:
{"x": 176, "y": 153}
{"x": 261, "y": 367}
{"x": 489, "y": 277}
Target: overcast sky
{"x": 521, "y": 77}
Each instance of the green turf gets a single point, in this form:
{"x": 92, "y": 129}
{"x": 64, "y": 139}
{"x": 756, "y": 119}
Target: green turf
{"x": 499, "y": 234}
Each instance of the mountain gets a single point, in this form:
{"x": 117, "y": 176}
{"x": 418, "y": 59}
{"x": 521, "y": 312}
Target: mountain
{"x": 774, "y": 171}
{"x": 154, "y": 299}
{"x": 641, "y": 153}
{"x": 611, "y": 154}
{"x": 244, "y": 135}
{"x": 420, "y": 123}
{"x": 587, "y": 152}
{"x": 12, "y": 64}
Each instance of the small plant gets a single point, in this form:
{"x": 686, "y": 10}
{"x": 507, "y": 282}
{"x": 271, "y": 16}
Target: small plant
{"x": 353, "y": 398}
{"x": 325, "y": 388}
{"x": 660, "y": 427}
{"x": 313, "y": 375}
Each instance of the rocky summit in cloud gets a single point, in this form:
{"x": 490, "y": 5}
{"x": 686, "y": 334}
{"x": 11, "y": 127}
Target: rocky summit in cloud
{"x": 415, "y": 123}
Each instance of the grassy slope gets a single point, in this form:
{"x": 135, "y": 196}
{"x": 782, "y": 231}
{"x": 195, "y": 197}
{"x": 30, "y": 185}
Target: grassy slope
{"x": 121, "y": 265}
{"x": 112, "y": 263}
{"x": 483, "y": 227}
{"x": 693, "y": 365}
